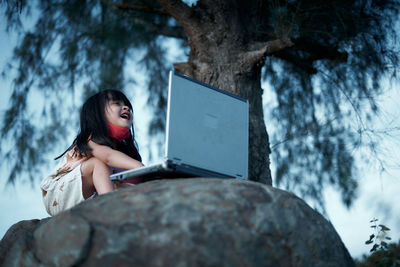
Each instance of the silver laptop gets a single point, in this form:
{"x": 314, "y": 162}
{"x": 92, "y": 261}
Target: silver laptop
{"x": 207, "y": 134}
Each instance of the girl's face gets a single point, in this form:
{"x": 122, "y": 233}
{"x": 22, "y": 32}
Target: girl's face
{"x": 118, "y": 114}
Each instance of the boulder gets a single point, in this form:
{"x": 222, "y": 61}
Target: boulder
{"x": 184, "y": 222}
{"x": 15, "y": 232}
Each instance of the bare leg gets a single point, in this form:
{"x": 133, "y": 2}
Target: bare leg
{"x": 95, "y": 177}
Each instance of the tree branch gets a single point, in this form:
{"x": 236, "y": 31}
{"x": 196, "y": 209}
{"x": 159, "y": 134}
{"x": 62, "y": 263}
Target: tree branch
{"x": 146, "y": 8}
{"x": 177, "y": 9}
{"x": 162, "y": 29}
{"x": 151, "y": 27}
{"x": 303, "y": 64}
{"x": 258, "y": 52}
{"x": 309, "y": 52}
{"x": 319, "y": 51}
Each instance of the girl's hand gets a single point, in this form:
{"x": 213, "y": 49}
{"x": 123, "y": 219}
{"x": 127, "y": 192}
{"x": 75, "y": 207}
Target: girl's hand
{"x": 119, "y": 184}
{"x": 126, "y": 182}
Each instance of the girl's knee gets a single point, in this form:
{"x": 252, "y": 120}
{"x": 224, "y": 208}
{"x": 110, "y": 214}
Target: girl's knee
{"x": 96, "y": 161}
{"x": 91, "y": 164}
{"x": 95, "y": 176}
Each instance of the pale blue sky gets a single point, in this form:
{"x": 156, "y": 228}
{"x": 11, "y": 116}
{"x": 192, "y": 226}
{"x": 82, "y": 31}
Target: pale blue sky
{"x": 23, "y": 202}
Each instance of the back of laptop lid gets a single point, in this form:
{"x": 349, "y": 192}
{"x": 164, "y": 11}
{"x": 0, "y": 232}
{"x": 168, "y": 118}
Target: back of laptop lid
{"x": 206, "y": 127}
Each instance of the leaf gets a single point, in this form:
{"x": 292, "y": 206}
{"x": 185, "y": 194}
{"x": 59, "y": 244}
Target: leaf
{"x": 368, "y": 242}
{"x": 384, "y": 228}
{"x": 374, "y": 248}
{"x": 388, "y": 238}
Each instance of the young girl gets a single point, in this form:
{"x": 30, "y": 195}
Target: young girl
{"x": 103, "y": 145}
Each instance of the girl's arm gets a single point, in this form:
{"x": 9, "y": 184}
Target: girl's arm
{"x": 112, "y": 157}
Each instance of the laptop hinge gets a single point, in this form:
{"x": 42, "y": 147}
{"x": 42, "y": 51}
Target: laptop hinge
{"x": 176, "y": 161}
{"x": 178, "y": 165}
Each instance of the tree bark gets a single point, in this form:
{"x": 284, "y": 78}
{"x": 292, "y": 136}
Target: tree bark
{"x": 223, "y": 54}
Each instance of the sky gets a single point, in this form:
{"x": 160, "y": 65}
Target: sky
{"x": 378, "y": 191}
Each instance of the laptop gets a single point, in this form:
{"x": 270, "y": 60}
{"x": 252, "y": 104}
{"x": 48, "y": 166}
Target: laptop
{"x": 207, "y": 134}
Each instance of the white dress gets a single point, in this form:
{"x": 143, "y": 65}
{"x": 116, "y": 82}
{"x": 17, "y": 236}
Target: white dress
{"x": 62, "y": 190}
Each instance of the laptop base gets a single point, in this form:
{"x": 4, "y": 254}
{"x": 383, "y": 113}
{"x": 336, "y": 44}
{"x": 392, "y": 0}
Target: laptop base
{"x": 166, "y": 170}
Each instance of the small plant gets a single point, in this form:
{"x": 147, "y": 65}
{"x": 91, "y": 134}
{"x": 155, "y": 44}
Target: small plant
{"x": 379, "y": 237}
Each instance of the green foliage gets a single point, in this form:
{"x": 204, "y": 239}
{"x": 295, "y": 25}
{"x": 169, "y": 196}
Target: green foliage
{"x": 388, "y": 257}
{"x": 382, "y": 253}
{"x": 74, "y": 48}
{"x": 13, "y": 10}
{"x": 325, "y": 90}
{"x": 379, "y": 238}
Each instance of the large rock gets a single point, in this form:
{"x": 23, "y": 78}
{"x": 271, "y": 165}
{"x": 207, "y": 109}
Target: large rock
{"x": 185, "y": 222}
{"x": 15, "y": 232}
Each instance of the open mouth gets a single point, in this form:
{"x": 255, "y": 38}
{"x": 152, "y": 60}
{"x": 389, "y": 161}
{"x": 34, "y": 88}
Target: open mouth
{"x": 125, "y": 116}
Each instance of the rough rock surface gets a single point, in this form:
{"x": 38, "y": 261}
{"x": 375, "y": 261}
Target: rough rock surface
{"x": 15, "y": 232}
{"x": 184, "y": 222}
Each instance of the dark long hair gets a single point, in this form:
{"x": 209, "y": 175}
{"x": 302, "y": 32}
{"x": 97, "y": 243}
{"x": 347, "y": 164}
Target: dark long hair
{"x": 93, "y": 126}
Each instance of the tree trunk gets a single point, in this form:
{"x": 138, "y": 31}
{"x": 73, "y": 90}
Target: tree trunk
{"x": 223, "y": 54}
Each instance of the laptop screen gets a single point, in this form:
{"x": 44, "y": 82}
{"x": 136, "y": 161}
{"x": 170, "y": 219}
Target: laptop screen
{"x": 206, "y": 127}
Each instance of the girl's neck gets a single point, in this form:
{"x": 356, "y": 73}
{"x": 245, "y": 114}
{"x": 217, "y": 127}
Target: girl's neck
{"x": 119, "y": 133}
